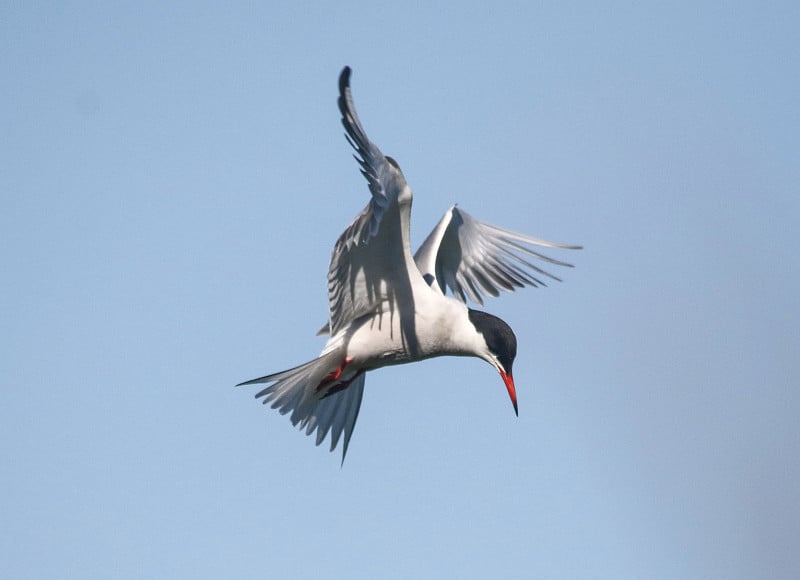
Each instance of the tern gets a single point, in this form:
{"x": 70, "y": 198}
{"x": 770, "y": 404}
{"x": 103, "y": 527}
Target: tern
{"x": 389, "y": 307}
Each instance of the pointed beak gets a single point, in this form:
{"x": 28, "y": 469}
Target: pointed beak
{"x": 512, "y": 392}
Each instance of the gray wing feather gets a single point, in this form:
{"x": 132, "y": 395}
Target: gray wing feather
{"x": 293, "y": 392}
{"x": 365, "y": 257}
{"x": 368, "y": 156}
{"x": 476, "y": 259}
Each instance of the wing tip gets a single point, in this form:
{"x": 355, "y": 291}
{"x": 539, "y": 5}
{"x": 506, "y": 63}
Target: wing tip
{"x": 250, "y": 382}
{"x": 344, "y": 79}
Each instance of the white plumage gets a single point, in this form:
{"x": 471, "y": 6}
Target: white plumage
{"x": 389, "y": 307}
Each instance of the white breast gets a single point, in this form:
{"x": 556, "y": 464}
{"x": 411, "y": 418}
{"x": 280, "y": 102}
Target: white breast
{"x": 437, "y": 326}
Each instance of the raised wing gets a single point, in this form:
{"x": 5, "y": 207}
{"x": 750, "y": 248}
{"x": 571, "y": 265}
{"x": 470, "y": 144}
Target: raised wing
{"x": 476, "y": 259}
{"x": 369, "y": 262}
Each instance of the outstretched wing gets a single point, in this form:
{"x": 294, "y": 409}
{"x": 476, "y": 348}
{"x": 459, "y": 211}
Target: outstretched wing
{"x": 369, "y": 262}
{"x": 476, "y": 259}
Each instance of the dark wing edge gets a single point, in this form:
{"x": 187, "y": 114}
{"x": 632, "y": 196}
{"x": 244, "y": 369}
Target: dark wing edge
{"x": 368, "y": 156}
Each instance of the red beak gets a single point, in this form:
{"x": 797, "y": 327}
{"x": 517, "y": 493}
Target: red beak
{"x": 512, "y": 392}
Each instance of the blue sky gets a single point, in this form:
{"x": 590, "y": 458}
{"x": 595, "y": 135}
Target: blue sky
{"x": 163, "y": 170}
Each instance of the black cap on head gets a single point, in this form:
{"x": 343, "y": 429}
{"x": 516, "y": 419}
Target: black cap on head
{"x": 498, "y": 336}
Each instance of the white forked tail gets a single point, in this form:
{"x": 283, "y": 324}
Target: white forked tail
{"x": 322, "y": 395}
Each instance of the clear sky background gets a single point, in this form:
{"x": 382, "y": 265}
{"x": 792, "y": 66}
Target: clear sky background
{"x": 173, "y": 179}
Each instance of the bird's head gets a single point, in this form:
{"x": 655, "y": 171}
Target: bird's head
{"x": 501, "y": 347}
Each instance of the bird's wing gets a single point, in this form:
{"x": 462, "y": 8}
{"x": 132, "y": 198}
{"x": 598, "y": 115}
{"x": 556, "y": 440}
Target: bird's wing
{"x": 369, "y": 265}
{"x": 476, "y": 259}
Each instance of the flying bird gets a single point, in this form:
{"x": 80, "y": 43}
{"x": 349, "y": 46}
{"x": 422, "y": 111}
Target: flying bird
{"x": 389, "y": 307}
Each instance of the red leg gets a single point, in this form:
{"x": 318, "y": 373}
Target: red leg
{"x": 333, "y": 375}
{"x": 343, "y": 385}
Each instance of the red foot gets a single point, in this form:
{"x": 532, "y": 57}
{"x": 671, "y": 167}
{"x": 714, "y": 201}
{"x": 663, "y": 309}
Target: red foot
{"x": 343, "y": 385}
{"x": 334, "y": 375}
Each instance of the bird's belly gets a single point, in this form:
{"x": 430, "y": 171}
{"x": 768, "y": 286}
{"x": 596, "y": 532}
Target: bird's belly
{"x": 391, "y": 338}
